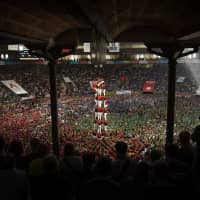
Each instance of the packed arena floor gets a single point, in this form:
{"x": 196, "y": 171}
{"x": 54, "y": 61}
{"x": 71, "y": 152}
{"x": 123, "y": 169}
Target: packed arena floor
{"x": 129, "y": 159}
{"x": 139, "y": 119}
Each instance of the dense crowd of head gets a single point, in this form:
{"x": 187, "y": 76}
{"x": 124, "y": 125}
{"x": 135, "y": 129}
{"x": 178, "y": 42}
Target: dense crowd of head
{"x": 131, "y": 155}
{"x": 138, "y": 119}
{"x": 38, "y": 174}
{"x": 35, "y": 78}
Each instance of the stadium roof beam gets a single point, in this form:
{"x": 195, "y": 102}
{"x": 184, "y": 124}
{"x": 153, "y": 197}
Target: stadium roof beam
{"x": 54, "y": 106}
{"x": 51, "y": 52}
{"x": 172, "y": 52}
{"x": 161, "y": 42}
{"x": 90, "y": 12}
{"x": 9, "y": 38}
{"x": 162, "y": 23}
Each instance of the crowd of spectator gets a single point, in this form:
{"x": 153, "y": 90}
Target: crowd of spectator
{"x": 34, "y": 78}
{"x": 38, "y": 174}
{"x": 90, "y": 168}
{"x": 130, "y": 117}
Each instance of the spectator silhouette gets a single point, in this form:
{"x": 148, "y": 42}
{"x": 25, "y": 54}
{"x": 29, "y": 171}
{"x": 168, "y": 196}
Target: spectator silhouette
{"x": 160, "y": 183}
{"x": 36, "y": 165}
{"x": 50, "y": 185}
{"x": 13, "y": 183}
{"x": 33, "y": 154}
{"x": 196, "y": 161}
{"x": 179, "y": 172}
{"x": 17, "y": 150}
{"x": 71, "y": 165}
{"x": 101, "y": 186}
{"x": 88, "y": 164}
{"x": 2, "y": 145}
{"x": 185, "y": 153}
{"x": 136, "y": 184}
{"x": 155, "y": 155}
{"x": 176, "y": 167}
{"x": 71, "y": 169}
{"x": 123, "y": 165}
{"x": 36, "y": 171}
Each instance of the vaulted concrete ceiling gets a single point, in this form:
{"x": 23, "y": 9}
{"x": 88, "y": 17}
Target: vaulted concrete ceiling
{"x": 123, "y": 20}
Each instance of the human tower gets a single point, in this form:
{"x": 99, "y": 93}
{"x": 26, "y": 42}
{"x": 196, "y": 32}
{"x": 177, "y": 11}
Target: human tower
{"x": 101, "y": 108}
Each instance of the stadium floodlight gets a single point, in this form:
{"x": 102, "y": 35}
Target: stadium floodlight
{"x": 142, "y": 56}
{"x": 2, "y": 56}
{"x": 154, "y": 56}
{"x": 75, "y": 57}
{"x": 86, "y": 47}
{"x": 13, "y": 47}
{"x": 194, "y": 55}
{"x": 21, "y": 47}
{"x": 72, "y": 57}
{"x": 108, "y": 57}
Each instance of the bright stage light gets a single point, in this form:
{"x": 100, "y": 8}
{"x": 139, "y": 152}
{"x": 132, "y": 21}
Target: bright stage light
{"x": 194, "y": 55}
{"x": 108, "y": 57}
{"x": 2, "y": 56}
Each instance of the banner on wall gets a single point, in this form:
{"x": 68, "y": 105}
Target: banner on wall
{"x": 14, "y": 87}
{"x": 114, "y": 47}
{"x": 27, "y": 98}
{"x": 123, "y": 92}
{"x": 67, "y": 80}
{"x": 198, "y": 91}
{"x": 180, "y": 79}
{"x": 149, "y": 86}
{"x": 86, "y": 47}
